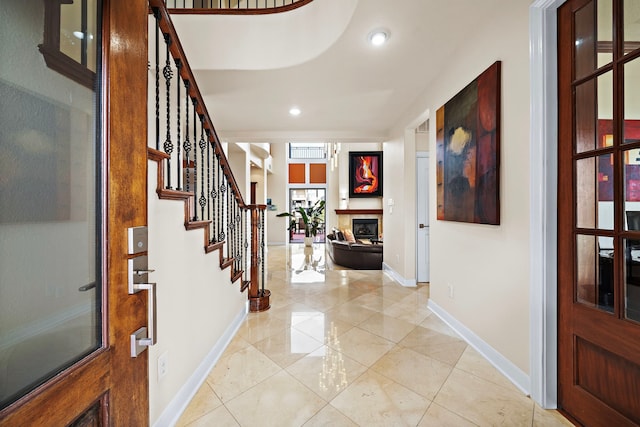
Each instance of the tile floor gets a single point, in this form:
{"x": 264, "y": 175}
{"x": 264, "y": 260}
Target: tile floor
{"x": 352, "y": 348}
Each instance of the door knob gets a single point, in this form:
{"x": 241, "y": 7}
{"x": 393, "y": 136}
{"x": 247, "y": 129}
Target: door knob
{"x": 421, "y": 225}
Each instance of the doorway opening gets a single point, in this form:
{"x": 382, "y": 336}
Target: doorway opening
{"x": 305, "y": 198}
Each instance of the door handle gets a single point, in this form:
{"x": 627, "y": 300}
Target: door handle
{"x": 138, "y": 274}
{"x": 145, "y": 337}
{"x": 421, "y": 225}
{"x": 87, "y": 287}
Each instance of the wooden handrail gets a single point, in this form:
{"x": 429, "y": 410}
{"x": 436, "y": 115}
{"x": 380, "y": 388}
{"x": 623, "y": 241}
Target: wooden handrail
{"x": 226, "y": 223}
{"x": 237, "y": 10}
{"x": 166, "y": 25}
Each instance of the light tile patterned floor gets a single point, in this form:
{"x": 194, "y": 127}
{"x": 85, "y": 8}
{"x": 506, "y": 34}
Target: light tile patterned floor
{"x": 352, "y": 348}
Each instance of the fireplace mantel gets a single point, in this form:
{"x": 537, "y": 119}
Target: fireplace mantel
{"x": 359, "y": 211}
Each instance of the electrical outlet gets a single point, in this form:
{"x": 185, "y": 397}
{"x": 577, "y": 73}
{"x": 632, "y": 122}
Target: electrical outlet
{"x": 163, "y": 365}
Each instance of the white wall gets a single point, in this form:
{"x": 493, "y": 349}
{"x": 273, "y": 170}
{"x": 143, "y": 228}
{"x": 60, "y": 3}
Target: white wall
{"x": 277, "y": 233}
{"x": 238, "y": 157}
{"x": 487, "y": 266}
{"x": 196, "y": 301}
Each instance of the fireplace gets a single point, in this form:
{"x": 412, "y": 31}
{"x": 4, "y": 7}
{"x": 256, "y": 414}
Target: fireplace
{"x": 365, "y": 228}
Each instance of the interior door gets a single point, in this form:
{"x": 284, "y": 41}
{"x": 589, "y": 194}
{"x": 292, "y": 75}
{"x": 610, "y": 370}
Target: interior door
{"x": 422, "y": 202}
{"x": 73, "y": 130}
{"x": 599, "y": 179}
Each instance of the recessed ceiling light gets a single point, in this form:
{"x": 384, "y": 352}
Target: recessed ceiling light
{"x": 295, "y": 111}
{"x": 378, "y": 37}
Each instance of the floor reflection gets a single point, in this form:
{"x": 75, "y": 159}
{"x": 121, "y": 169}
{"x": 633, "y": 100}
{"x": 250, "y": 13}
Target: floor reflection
{"x": 307, "y": 263}
{"x": 352, "y": 348}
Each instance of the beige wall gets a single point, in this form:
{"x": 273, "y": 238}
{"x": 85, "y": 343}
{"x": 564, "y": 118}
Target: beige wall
{"x": 487, "y": 266}
{"x": 238, "y": 156}
{"x": 196, "y": 301}
{"x": 277, "y": 190}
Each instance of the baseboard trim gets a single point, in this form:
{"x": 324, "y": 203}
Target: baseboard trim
{"x": 501, "y": 363}
{"x": 408, "y": 283}
{"x": 179, "y": 403}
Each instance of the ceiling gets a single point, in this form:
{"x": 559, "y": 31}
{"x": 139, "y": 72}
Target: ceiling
{"x": 349, "y": 89}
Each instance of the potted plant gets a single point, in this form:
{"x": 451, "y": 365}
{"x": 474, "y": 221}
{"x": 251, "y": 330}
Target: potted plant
{"x": 312, "y": 218}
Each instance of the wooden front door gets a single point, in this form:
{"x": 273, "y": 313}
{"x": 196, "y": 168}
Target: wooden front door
{"x": 73, "y": 121}
{"x": 599, "y": 204}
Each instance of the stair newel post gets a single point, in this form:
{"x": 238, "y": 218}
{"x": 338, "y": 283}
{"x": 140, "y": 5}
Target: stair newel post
{"x": 262, "y": 237}
{"x": 258, "y": 295}
{"x": 245, "y": 243}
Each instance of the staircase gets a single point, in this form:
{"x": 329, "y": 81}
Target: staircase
{"x": 234, "y": 7}
{"x": 193, "y": 167}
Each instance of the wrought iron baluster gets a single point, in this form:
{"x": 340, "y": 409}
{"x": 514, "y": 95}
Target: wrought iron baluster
{"x": 202, "y": 143}
{"x": 229, "y": 225}
{"x": 221, "y": 178}
{"x": 246, "y": 242}
{"x": 208, "y": 175}
{"x": 168, "y": 74}
{"x": 229, "y": 222}
{"x": 156, "y": 14}
{"x": 235, "y": 232}
{"x": 239, "y": 235}
{"x": 179, "y": 158}
{"x": 236, "y": 218}
{"x": 214, "y": 197}
{"x": 195, "y": 160}
{"x": 187, "y": 142}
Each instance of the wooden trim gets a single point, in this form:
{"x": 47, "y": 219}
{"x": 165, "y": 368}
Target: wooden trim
{"x": 125, "y": 37}
{"x": 359, "y": 211}
{"x": 236, "y": 11}
{"x": 43, "y": 405}
{"x": 50, "y": 48}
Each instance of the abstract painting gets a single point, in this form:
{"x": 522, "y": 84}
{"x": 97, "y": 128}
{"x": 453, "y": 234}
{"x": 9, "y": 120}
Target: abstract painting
{"x": 468, "y": 152}
{"x": 365, "y": 173}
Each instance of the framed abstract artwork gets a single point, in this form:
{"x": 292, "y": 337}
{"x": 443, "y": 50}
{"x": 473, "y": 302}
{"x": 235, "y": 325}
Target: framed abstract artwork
{"x": 365, "y": 173}
{"x": 468, "y": 152}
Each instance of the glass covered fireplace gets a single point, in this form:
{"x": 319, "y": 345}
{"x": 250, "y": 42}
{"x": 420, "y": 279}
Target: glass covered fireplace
{"x": 365, "y": 228}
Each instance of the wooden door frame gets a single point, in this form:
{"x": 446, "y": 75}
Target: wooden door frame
{"x": 111, "y": 374}
{"x": 543, "y": 153}
{"x": 126, "y": 136}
